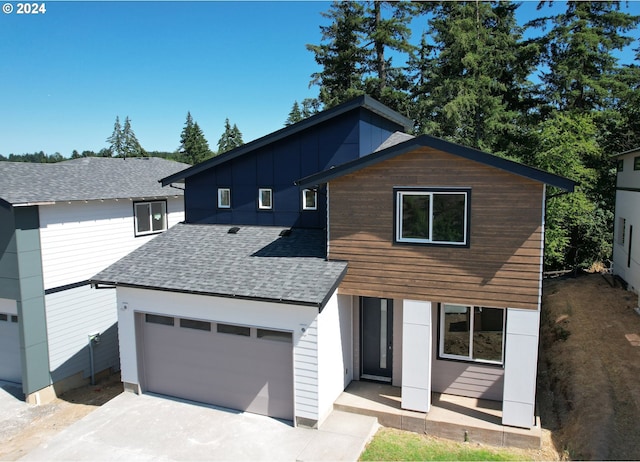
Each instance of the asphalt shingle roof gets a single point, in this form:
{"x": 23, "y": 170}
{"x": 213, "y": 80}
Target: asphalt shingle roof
{"x": 255, "y": 263}
{"x": 90, "y": 178}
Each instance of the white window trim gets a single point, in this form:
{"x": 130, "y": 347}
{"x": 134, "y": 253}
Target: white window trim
{"x": 304, "y": 199}
{"x": 430, "y": 193}
{"x": 151, "y": 231}
{"x": 220, "y": 204}
{"x": 469, "y": 358}
{"x": 261, "y": 206}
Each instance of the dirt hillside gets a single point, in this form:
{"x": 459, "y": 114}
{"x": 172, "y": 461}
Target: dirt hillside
{"x": 589, "y": 368}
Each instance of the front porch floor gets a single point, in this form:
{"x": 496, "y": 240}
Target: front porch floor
{"x": 453, "y": 417}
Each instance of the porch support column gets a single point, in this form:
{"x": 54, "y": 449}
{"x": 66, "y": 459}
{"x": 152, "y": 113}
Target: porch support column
{"x": 520, "y": 368}
{"x": 416, "y": 356}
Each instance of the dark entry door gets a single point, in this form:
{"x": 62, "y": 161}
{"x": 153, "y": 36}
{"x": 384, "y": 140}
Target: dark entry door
{"x": 376, "y": 321}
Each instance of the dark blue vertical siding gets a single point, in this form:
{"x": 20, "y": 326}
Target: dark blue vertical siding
{"x": 277, "y": 166}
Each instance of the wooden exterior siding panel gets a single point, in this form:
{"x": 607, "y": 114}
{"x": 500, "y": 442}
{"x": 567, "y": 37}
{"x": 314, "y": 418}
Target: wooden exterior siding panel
{"x": 501, "y": 266}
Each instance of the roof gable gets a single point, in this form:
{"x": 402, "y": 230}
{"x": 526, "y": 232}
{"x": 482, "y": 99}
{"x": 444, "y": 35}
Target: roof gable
{"x": 441, "y": 145}
{"x": 364, "y": 101}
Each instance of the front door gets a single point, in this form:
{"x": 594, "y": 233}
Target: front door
{"x": 376, "y": 323}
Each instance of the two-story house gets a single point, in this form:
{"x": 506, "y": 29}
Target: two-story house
{"x": 409, "y": 261}
{"x": 59, "y": 225}
{"x": 626, "y": 249}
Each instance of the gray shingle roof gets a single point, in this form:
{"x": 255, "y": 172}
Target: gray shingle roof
{"x": 88, "y": 178}
{"x": 255, "y": 263}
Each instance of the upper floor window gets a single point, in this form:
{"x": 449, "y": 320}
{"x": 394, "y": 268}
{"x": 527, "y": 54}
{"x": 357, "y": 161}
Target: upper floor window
{"x": 265, "y": 199}
{"x": 224, "y": 198}
{"x": 620, "y": 165}
{"x": 150, "y": 217}
{"x": 432, "y": 216}
{"x": 636, "y": 163}
{"x": 472, "y": 333}
{"x": 309, "y": 199}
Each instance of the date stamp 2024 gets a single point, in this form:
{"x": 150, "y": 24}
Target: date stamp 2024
{"x": 25, "y": 8}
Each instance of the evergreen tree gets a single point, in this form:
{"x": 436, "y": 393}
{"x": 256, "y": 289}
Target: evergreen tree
{"x": 342, "y": 55}
{"x": 116, "y": 143}
{"x": 467, "y": 84}
{"x": 194, "y": 147}
{"x": 384, "y": 33}
{"x": 295, "y": 115}
{"x": 578, "y": 53}
{"x": 230, "y": 139}
{"x": 131, "y": 145}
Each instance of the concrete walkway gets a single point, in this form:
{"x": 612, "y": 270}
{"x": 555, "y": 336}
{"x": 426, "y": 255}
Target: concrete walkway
{"x": 147, "y": 427}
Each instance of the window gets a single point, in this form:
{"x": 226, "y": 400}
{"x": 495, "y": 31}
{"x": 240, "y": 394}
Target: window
{"x": 620, "y": 165}
{"x": 622, "y": 224}
{"x": 224, "y": 198}
{"x": 432, "y": 216}
{"x": 194, "y": 324}
{"x": 276, "y": 335}
{"x": 4, "y": 317}
{"x": 265, "y": 199}
{"x": 309, "y": 199}
{"x": 636, "y": 163}
{"x": 157, "y": 319}
{"x": 236, "y": 330}
{"x": 14, "y": 318}
{"x": 150, "y": 217}
{"x": 472, "y": 333}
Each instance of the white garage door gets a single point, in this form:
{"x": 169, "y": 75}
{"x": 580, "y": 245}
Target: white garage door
{"x": 10, "y": 368}
{"x": 238, "y": 367}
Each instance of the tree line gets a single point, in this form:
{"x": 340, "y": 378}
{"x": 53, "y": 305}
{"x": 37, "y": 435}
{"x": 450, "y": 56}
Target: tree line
{"x": 123, "y": 142}
{"x": 550, "y": 93}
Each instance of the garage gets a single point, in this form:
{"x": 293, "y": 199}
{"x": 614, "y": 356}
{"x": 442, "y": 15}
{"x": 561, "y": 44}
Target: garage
{"x": 239, "y": 367}
{"x": 10, "y": 364}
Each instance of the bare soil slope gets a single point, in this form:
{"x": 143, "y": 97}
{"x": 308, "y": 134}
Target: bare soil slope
{"x": 589, "y": 368}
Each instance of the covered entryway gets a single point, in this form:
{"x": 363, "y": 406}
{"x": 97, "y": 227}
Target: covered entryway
{"x": 10, "y": 362}
{"x": 239, "y": 367}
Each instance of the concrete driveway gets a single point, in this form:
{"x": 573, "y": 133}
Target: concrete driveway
{"x": 148, "y": 427}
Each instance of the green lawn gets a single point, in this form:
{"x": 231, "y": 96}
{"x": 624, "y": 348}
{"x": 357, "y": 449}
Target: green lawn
{"x": 390, "y": 445}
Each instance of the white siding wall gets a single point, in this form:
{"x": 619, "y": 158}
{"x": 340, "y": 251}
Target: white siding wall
{"x": 521, "y": 357}
{"x": 72, "y": 315}
{"x": 301, "y": 320}
{"x": 80, "y": 239}
{"x": 334, "y": 352}
{"x": 416, "y": 350}
{"x": 628, "y": 207}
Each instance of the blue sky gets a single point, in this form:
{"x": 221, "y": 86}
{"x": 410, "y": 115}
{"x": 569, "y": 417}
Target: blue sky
{"x": 66, "y": 74}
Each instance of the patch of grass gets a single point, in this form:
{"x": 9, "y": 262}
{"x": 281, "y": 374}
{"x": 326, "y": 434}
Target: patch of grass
{"x": 391, "y": 445}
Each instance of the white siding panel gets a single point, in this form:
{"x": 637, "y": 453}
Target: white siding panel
{"x": 520, "y": 369}
{"x": 72, "y": 315}
{"x": 80, "y": 239}
{"x": 416, "y": 355}
{"x": 300, "y": 320}
{"x": 628, "y": 207}
{"x": 334, "y": 330}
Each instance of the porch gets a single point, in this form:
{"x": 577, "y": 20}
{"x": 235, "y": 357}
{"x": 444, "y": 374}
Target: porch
{"x": 453, "y": 417}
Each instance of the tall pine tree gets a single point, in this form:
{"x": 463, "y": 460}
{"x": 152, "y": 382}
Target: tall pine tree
{"x": 194, "y": 147}
{"x": 231, "y": 138}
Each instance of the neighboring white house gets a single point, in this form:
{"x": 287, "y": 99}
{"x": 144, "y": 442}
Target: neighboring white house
{"x": 626, "y": 241}
{"x": 59, "y": 225}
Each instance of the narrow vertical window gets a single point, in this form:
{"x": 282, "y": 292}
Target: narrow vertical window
{"x": 620, "y": 165}
{"x": 224, "y": 198}
{"x": 622, "y": 224}
{"x": 636, "y": 163}
{"x": 309, "y": 199}
{"x": 265, "y": 199}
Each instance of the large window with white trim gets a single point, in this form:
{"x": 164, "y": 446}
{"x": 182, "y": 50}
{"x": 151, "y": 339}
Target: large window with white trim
{"x": 224, "y": 198}
{"x": 150, "y": 217}
{"x": 432, "y": 216}
{"x": 472, "y": 333}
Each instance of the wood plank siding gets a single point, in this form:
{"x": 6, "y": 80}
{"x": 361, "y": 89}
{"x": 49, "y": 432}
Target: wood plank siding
{"x": 501, "y": 266}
